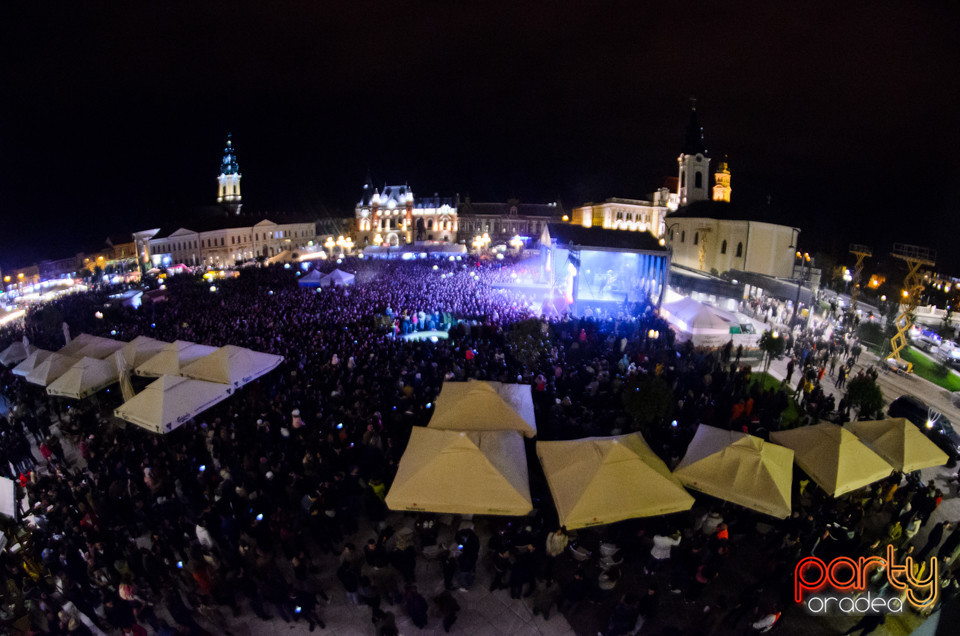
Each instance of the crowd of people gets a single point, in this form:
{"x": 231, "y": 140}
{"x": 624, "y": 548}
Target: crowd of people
{"x": 237, "y": 511}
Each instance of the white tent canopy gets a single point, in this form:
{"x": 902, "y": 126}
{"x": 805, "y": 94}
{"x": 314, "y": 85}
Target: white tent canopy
{"x": 173, "y": 358}
{"x": 485, "y": 406}
{"x": 141, "y": 349}
{"x": 50, "y": 369}
{"x": 706, "y": 326}
{"x": 462, "y": 473}
{"x": 235, "y": 366}
{"x": 73, "y": 347}
{"x": 84, "y": 378}
{"x": 337, "y": 277}
{"x": 312, "y": 279}
{"x": 16, "y": 353}
{"x": 100, "y": 348}
{"x": 36, "y": 357}
{"x": 170, "y": 401}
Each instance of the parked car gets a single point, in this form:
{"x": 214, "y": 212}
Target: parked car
{"x": 934, "y": 424}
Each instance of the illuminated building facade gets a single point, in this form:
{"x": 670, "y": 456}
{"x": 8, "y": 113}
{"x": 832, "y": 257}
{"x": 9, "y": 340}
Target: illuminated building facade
{"x": 395, "y": 217}
{"x": 625, "y": 214}
{"x": 504, "y": 221}
{"x": 721, "y": 191}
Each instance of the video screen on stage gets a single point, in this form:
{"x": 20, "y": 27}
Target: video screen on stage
{"x": 617, "y": 276}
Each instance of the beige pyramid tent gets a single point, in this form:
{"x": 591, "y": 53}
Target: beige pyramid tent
{"x": 15, "y": 353}
{"x": 100, "y": 348}
{"x": 50, "y": 369}
{"x": 600, "y": 480}
{"x": 900, "y": 443}
{"x": 73, "y": 347}
{"x": 485, "y": 406}
{"x": 170, "y": 401}
{"x": 833, "y": 457}
{"x": 84, "y": 378}
{"x": 173, "y": 358}
{"x": 483, "y": 473}
{"x": 232, "y": 365}
{"x": 36, "y": 357}
{"x": 739, "y": 468}
{"x": 141, "y": 349}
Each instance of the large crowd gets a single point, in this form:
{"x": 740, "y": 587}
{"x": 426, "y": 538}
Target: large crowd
{"x": 234, "y": 512}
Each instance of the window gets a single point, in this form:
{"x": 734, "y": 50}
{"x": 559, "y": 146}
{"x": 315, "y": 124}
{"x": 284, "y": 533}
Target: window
{"x": 683, "y": 179}
{"x": 683, "y": 235}
{"x": 723, "y": 247}
{"x": 223, "y": 241}
{"x": 739, "y": 250}
{"x": 696, "y": 238}
{"x": 698, "y": 183}
{"x": 430, "y": 225}
{"x": 672, "y": 233}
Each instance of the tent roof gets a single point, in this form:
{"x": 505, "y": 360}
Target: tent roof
{"x": 232, "y": 365}
{"x": 100, "y": 348}
{"x": 485, "y": 406}
{"x": 73, "y": 347}
{"x": 833, "y": 457}
{"x": 141, "y": 349}
{"x": 337, "y": 277}
{"x": 739, "y": 468}
{"x": 900, "y": 443}
{"x": 600, "y": 480}
{"x": 312, "y": 279}
{"x": 36, "y": 357}
{"x": 84, "y": 378}
{"x": 170, "y": 401}
{"x": 50, "y": 369}
{"x": 16, "y": 353}
{"x": 173, "y": 358}
{"x": 692, "y": 316}
{"x": 462, "y": 473}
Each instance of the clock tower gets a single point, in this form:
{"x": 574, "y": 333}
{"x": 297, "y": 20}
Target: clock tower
{"x": 228, "y": 194}
{"x": 694, "y": 164}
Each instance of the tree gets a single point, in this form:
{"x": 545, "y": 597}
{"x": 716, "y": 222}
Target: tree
{"x": 772, "y": 346}
{"x": 865, "y": 396}
{"x": 649, "y": 400}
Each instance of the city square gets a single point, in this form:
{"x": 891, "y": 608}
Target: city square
{"x": 493, "y": 358}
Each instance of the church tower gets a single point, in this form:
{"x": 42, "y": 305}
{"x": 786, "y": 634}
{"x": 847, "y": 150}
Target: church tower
{"x": 721, "y": 191}
{"x": 694, "y": 164}
{"x": 229, "y": 179}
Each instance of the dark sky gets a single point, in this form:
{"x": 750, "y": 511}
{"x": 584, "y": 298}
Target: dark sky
{"x": 844, "y": 113}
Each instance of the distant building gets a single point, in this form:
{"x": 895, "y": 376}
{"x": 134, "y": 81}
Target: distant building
{"x": 625, "y": 214}
{"x": 221, "y": 241}
{"x": 504, "y": 221}
{"x": 228, "y": 192}
{"x": 395, "y": 217}
{"x": 717, "y": 236}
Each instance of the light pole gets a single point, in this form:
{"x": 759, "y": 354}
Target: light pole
{"x": 804, "y": 269}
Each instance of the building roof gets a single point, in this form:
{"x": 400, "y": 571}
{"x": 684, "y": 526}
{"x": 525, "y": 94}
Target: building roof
{"x": 545, "y": 210}
{"x": 726, "y": 211}
{"x": 228, "y": 222}
{"x": 229, "y": 164}
{"x": 598, "y": 237}
{"x": 693, "y": 138}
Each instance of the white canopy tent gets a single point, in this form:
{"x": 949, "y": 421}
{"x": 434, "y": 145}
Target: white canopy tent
{"x": 141, "y": 349}
{"x": 485, "y": 406}
{"x": 313, "y": 278}
{"x": 235, "y": 366}
{"x": 36, "y": 357}
{"x": 173, "y": 358}
{"x": 170, "y": 401}
{"x": 100, "y": 348}
{"x": 50, "y": 369}
{"x": 705, "y": 326}
{"x": 73, "y": 347}
{"x": 84, "y": 378}
{"x": 337, "y": 277}
{"x": 16, "y": 353}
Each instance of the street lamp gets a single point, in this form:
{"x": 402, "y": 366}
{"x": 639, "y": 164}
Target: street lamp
{"x": 804, "y": 270}
{"x": 517, "y": 243}
{"x": 330, "y": 244}
{"x": 377, "y": 240}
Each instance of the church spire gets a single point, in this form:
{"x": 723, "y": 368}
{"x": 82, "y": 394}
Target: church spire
{"x": 693, "y": 162}
{"x": 229, "y": 179}
{"x": 693, "y": 140}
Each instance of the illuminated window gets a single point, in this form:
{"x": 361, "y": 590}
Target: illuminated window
{"x": 723, "y": 247}
{"x": 739, "y": 250}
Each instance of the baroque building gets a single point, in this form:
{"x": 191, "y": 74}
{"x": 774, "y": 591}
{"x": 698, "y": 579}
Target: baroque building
{"x": 395, "y": 217}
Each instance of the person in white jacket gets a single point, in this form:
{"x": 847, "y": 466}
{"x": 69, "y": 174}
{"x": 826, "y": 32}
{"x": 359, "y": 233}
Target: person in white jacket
{"x": 660, "y": 552}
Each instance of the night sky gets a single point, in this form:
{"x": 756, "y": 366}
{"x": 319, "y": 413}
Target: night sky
{"x": 112, "y": 119}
